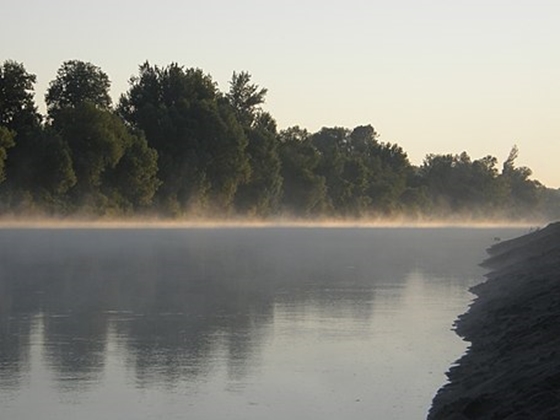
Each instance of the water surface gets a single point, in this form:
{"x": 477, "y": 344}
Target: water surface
{"x": 248, "y": 323}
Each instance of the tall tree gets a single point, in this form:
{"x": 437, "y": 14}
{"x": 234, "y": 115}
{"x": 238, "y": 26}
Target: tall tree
{"x": 114, "y": 167}
{"x": 6, "y": 142}
{"x": 261, "y": 193}
{"x": 458, "y": 184}
{"x": 245, "y": 97}
{"x": 134, "y": 180}
{"x": 98, "y": 140}
{"x": 331, "y": 143}
{"x": 304, "y": 190}
{"x": 525, "y": 194}
{"x": 363, "y": 176}
{"x": 77, "y": 82}
{"x": 18, "y": 111}
{"x": 41, "y": 167}
{"x": 388, "y": 181}
{"x": 201, "y": 145}
{"x": 52, "y": 175}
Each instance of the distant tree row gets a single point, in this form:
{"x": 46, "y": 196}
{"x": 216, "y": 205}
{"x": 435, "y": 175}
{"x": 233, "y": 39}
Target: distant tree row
{"x": 175, "y": 145}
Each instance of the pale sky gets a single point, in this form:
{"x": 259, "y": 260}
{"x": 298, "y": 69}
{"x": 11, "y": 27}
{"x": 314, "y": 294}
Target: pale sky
{"x": 439, "y": 76}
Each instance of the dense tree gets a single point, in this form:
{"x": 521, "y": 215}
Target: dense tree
{"x": 304, "y": 190}
{"x": 456, "y": 183}
{"x": 77, "y": 82}
{"x": 97, "y": 140}
{"x": 43, "y": 168}
{"x": 107, "y": 159}
{"x": 6, "y": 142}
{"x": 245, "y": 97}
{"x": 53, "y": 171}
{"x": 28, "y": 159}
{"x": 389, "y": 173}
{"x": 332, "y": 148}
{"x": 524, "y": 194}
{"x": 437, "y": 174}
{"x": 362, "y": 175}
{"x": 18, "y": 111}
{"x": 134, "y": 178}
{"x": 260, "y": 194}
{"x": 200, "y": 143}
{"x": 177, "y": 143}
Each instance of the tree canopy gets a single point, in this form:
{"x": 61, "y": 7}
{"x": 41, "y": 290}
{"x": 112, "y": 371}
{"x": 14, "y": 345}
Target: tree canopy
{"x": 77, "y": 82}
{"x": 176, "y": 145}
{"x": 17, "y": 106}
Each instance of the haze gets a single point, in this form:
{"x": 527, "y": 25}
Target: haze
{"x": 225, "y": 223}
{"x": 433, "y": 76}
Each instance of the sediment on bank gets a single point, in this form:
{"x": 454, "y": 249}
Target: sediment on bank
{"x": 512, "y": 367}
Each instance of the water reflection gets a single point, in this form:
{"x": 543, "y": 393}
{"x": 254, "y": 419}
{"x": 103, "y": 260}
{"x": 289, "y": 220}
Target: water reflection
{"x": 173, "y": 308}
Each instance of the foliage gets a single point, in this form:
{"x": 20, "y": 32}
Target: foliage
{"x": 245, "y": 97}
{"x": 176, "y": 144}
{"x": 200, "y": 143}
{"x": 17, "y": 107}
{"x": 107, "y": 158}
{"x": 6, "y": 142}
{"x": 135, "y": 175}
{"x": 458, "y": 184}
{"x": 305, "y": 191}
{"x": 363, "y": 176}
{"x": 77, "y": 82}
{"x": 42, "y": 166}
{"x": 260, "y": 193}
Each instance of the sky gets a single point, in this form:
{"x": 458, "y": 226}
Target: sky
{"x": 434, "y": 76}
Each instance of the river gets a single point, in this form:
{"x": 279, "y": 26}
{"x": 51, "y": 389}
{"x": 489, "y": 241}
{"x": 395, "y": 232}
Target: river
{"x": 232, "y": 323}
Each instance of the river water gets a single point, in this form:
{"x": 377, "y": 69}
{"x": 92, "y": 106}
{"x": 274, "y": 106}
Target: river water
{"x": 232, "y": 323}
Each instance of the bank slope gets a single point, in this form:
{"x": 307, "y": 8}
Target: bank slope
{"x": 512, "y": 367}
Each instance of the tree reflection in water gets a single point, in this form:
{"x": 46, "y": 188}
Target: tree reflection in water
{"x": 174, "y": 306}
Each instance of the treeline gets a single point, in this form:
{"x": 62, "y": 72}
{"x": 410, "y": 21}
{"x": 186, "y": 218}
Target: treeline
{"x": 175, "y": 145}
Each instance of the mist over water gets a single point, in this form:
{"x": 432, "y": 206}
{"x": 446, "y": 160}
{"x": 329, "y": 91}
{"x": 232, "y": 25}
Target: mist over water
{"x": 205, "y": 222}
{"x": 235, "y": 323}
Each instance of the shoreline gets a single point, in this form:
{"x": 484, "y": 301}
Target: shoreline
{"x": 511, "y": 369}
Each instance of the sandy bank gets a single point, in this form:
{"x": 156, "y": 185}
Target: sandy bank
{"x": 512, "y": 368}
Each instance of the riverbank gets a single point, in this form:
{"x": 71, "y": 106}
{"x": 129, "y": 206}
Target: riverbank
{"x": 512, "y": 368}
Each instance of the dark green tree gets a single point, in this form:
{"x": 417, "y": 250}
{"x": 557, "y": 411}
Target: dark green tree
{"x": 18, "y": 111}
{"x": 38, "y": 167}
{"x": 115, "y": 169}
{"x": 6, "y": 142}
{"x": 304, "y": 190}
{"x": 133, "y": 182}
{"x": 458, "y": 184}
{"x": 201, "y": 145}
{"x": 245, "y": 97}
{"x": 97, "y": 140}
{"x": 388, "y": 181}
{"x": 332, "y": 145}
{"x": 260, "y": 194}
{"x": 43, "y": 174}
{"x": 447, "y": 178}
{"x": 526, "y": 194}
{"x": 363, "y": 176}
{"x": 107, "y": 158}
{"x": 54, "y": 174}
{"x": 77, "y": 82}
